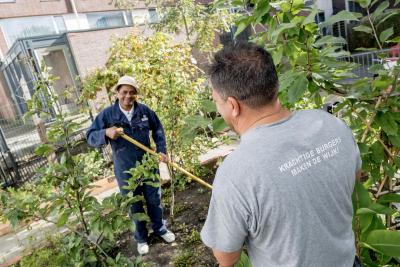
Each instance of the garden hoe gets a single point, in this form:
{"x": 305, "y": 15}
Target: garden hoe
{"x": 171, "y": 163}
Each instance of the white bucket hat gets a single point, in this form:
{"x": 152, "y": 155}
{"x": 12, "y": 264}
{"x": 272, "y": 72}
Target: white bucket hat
{"x": 127, "y": 80}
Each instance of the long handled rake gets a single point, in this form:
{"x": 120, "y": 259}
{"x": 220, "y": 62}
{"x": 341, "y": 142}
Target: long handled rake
{"x": 171, "y": 163}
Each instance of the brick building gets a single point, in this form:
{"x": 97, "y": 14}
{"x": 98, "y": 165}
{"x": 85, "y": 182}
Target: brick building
{"x": 70, "y": 36}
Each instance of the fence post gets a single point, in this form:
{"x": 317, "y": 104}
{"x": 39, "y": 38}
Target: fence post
{"x": 41, "y": 129}
{"x": 7, "y": 150}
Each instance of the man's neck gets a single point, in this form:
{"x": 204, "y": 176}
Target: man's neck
{"x": 126, "y": 108}
{"x": 267, "y": 115}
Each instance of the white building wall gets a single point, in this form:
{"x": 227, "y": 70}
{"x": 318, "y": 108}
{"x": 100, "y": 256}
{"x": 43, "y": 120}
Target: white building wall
{"x": 326, "y": 6}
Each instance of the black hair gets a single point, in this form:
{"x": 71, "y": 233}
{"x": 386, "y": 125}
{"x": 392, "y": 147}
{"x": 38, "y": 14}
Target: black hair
{"x": 246, "y": 72}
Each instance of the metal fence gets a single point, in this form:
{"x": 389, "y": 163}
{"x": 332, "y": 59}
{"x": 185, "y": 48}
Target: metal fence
{"x": 386, "y": 57}
{"x": 19, "y": 138}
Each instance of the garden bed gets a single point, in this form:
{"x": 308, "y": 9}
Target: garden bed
{"x": 191, "y": 206}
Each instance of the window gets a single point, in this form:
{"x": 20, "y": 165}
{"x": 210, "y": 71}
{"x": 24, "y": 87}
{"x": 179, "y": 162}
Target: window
{"x": 143, "y": 16}
{"x": 60, "y": 24}
{"x": 140, "y": 16}
{"x": 27, "y": 27}
{"x": 128, "y": 17}
{"x": 153, "y": 17}
{"x": 320, "y": 17}
{"x": 354, "y": 7}
{"x": 99, "y": 20}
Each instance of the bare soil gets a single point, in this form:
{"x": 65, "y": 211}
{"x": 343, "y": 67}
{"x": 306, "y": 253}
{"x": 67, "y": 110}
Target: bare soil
{"x": 190, "y": 210}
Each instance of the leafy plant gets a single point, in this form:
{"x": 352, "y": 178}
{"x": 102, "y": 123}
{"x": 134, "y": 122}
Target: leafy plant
{"x": 311, "y": 68}
{"x": 172, "y": 85}
{"x": 52, "y": 255}
{"x": 200, "y": 24}
{"x": 185, "y": 258}
{"x": 61, "y": 195}
{"x": 95, "y": 164}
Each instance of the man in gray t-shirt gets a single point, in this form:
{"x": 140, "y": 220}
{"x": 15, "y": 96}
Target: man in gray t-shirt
{"x": 285, "y": 192}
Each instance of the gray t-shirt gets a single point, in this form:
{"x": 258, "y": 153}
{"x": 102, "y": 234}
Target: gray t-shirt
{"x": 285, "y": 193}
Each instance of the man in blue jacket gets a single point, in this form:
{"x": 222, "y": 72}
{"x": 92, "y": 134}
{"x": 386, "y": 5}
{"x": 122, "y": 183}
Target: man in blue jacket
{"x": 137, "y": 120}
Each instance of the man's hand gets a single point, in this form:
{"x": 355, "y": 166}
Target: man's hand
{"x": 113, "y": 133}
{"x": 163, "y": 157}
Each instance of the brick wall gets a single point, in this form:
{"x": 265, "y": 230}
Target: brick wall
{"x": 90, "y": 48}
{"x": 6, "y": 105}
{"x": 3, "y": 44}
{"x": 98, "y": 5}
{"x": 27, "y": 8}
{"x": 90, "y": 51}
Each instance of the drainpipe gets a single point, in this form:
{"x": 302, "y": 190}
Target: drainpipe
{"x": 4, "y": 36}
{"x": 72, "y": 2}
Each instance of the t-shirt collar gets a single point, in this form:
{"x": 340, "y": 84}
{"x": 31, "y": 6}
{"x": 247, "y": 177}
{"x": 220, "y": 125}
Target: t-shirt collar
{"x": 128, "y": 113}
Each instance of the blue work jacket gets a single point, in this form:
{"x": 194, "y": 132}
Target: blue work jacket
{"x": 125, "y": 154}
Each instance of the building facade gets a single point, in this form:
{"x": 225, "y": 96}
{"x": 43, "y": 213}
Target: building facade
{"x": 71, "y": 37}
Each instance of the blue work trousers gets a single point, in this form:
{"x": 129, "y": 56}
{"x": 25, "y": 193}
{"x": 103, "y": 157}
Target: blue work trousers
{"x": 152, "y": 196}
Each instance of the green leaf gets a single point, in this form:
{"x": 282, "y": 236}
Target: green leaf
{"x": 286, "y": 79}
{"x": 196, "y": 121}
{"x": 386, "y": 34}
{"x": 44, "y": 150}
{"x": 118, "y": 257}
{"x": 141, "y": 217}
{"x": 208, "y": 106}
{"x": 394, "y": 40}
{"x": 388, "y": 14}
{"x": 364, "y": 3}
{"x": 63, "y": 218}
{"x": 378, "y": 153}
{"x": 242, "y": 25}
{"x": 219, "y": 124}
{"x": 364, "y": 149}
{"x": 296, "y": 91}
{"x": 91, "y": 258}
{"x": 341, "y": 16}
{"x": 380, "y": 9}
{"x": 385, "y": 242}
{"x": 262, "y": 8}
{"x": 397, "y": 161}
{"x": 329, "y": 39}
{"x": 311, "y": 17}
{"x": 395, "y": 140}
{"x": 376, "y": 208}
{"x": 389, "y": 198}
{"x": 244, "y": 261}
{"x": 363, "y": 28}
{"x": 110, "y": 261}
{"x": 387, "y": 122}
{"x": 192, "y": 124}
{"x": 281, "y": 28}
{"x": 361, "y": 196}
{"x": 277, "y": 55}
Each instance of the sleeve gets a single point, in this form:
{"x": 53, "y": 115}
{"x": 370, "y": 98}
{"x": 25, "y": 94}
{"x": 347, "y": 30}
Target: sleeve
{"x": 157, "y": 132}
{"x": 96, "y": 134}
{"x": 226, "y": 226}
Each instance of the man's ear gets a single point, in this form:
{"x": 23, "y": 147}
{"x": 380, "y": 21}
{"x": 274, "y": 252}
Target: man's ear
{"x": 234, "y": 105}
